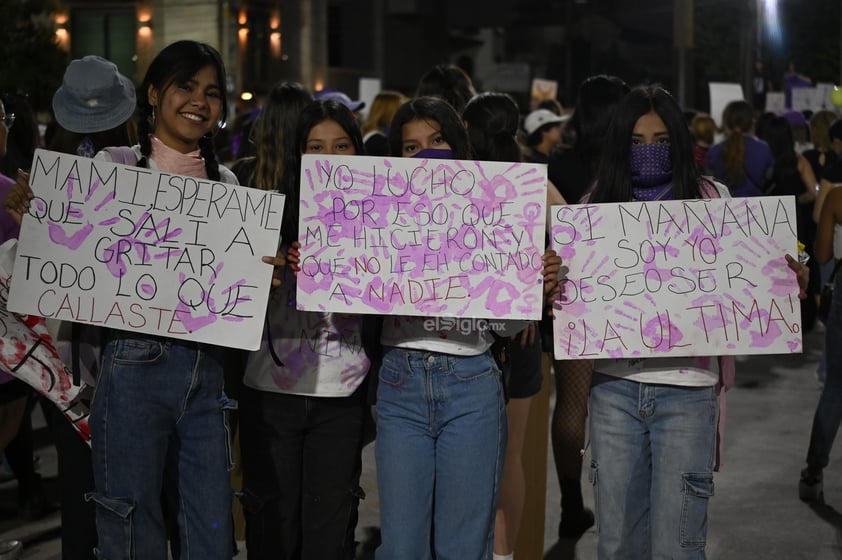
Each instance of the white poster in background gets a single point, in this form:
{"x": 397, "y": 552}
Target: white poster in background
{"x": 146, "y": 251}
{"x": 813, "y": 98}
{"x": 428, "y": 237}
{"x": 721, "y": 94}
{"x": 806, "y": 99}
{"x": 775, "y": 102}
{"x": 824, "y": 97}
{"x": 369, "y": 88}
{"x": 677, "y": 278}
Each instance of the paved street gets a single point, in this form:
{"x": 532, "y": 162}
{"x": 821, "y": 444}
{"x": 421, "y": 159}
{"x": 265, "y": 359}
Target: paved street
{"x": 754, "y": 514}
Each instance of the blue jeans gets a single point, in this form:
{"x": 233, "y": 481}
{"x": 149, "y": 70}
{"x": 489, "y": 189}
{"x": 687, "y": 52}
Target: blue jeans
{"x": 826, "y": 271}
{"x": 829, "y": 410}
{"x": 159, "y": 429}
{"x": 301, "y": 474}
{"x": 441, "y": 438}
{"x": 652, "y": 456}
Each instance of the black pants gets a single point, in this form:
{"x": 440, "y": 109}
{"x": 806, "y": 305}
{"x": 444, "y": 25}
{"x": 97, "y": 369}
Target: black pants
{"x": 301, "y": 471}
{"x": 76, "y": 478}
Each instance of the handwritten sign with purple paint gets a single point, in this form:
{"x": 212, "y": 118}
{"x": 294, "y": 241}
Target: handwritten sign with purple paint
{"x": 410, "y": 236}
{"x": 146, "y": 251}
{"x": 677, "y": 278}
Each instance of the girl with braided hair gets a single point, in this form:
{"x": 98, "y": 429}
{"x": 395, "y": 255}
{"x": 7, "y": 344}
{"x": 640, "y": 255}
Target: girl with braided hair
{"x": 159, "y": 415}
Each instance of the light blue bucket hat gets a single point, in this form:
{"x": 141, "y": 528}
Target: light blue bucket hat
{"x": 93, "y": 96}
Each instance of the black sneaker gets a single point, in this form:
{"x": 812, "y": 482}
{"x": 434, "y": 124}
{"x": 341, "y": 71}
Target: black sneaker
{"x": 574, "y": 525}
{"x": 810, "y": 487}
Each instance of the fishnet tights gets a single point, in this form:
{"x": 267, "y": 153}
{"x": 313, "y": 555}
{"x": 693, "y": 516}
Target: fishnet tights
{"x": 572, "y": 384}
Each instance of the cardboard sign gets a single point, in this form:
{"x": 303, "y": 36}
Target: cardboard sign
{"x": 28, "y": 352}
{"x": 722, "y": 93}
{"x": 813, "y": 98}
{"x": 677, "y": 278}
{"x": 775, "y": 102}
{"x": 146, "y": 251}
{"x": 411, "y": 236}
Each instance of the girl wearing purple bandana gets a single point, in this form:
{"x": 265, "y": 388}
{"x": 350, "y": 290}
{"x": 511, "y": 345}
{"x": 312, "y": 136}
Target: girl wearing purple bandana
{"x": 653, "y": 421}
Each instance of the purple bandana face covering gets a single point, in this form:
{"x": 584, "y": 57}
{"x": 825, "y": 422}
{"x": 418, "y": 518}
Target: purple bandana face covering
{"x": 651, "y": 170}
{"x": 433, "y": 153}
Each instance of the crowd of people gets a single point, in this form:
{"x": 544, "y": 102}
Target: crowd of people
{"x": 448, "y": 426}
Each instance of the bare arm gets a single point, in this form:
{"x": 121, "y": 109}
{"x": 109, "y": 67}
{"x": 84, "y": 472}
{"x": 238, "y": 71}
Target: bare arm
{"x": 830, "y": 216}
{"x": 17, "y": 199}
{"x": 809, "y": 180}
{"x": 802, "y": 274}
{"x": 825, "y": 187}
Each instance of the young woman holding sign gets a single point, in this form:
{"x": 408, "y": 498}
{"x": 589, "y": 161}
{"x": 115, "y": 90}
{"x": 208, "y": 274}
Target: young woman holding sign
{"x": 158, "y": 418}
{"x": 167, "y": 393}
{"x": 654, "y": 421}
{"x": 492, "y": 120}
{"x": 303, "y": 404}
{"x": 441, "y": 423}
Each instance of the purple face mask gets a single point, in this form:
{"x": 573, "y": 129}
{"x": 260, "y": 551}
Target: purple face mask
{"x": 651, "y": 165}
{"x": 434, "y": 153}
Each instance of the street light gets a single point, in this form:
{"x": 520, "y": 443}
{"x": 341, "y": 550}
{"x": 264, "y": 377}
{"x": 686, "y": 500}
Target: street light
{"x": 771, "y": 21}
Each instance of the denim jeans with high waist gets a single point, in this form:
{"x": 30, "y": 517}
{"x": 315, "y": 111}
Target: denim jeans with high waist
{"x": 159, "y": 432}
{"x": 829, "y": 410}
{"x": 301, "y": 460}
{"x": 652, "y": 457}
{"x": 441, "y": 437}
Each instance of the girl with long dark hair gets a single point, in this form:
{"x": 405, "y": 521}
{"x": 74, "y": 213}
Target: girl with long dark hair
{"x": 303, "y": 407}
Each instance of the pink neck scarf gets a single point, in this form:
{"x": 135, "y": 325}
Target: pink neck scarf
{"x": 173, "y": 161}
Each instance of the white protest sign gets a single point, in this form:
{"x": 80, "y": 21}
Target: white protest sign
{"x": 722, "y": 93}
{"x": 776, "y": 102}
{"x": 412, "y": 236}
{"x": 677, "y": 278}
{"x": 369, "y": 88}
{"x": 812, "y": 98}
{"x": 824, "y": 97}
{"x": 146, "y": 251}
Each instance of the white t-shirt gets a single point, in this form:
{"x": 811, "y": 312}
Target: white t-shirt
{"x": 681, "y": 371}
{"x": 312, "y": 353}
{"x": 446, "y": 335}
